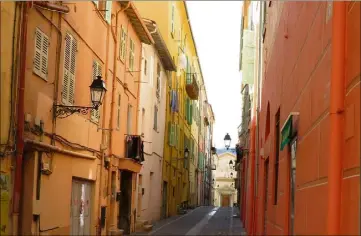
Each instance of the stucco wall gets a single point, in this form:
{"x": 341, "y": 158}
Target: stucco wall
{"x": 297, "y": 49}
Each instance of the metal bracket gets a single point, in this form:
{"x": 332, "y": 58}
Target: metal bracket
{"x": 62, "y": 111}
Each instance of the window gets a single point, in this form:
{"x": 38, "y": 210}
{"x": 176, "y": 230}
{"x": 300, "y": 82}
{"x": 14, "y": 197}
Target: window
{"x": 277, "y": 148}
{"x": 143, "y": 117}
{"x": 172, "y": 26}
{"x": 97, "y": 70}
{"x": 118, "y": 111}
{"x": 145, "y": 66}
{"x": 151, "y": 70}
{"x": 41, "y": 54}
{"x": 158, "y": 80}
{"x": 131, "y": 55}
{"x": 129, "y": 120}
{"x": 68, "y": 89}
{"x": 171, "y": 134}
{"x": 108, "y": 11}
{"x": 155, "y": 124}
{"x": 122, "y": 45}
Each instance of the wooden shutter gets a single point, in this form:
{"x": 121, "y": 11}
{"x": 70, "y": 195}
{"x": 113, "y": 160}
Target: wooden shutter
{"x": 97, "y": 70}
{"x": 68, "y": 89}
{"x": 169, "y": 133}
{"x": 41, "y": 54}
{"x": 108, "y": 11}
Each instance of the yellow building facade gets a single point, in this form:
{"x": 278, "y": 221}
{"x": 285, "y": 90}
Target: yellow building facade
{"x": 182, "y": 116}
{"x": 10, "y": 15}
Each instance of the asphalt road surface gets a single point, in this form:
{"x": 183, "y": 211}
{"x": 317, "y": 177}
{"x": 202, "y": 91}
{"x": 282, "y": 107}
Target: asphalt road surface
{"x": 205, "y": 220}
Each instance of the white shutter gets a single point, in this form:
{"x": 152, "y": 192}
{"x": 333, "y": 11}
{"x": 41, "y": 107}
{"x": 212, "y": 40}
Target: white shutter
{"x": 97, "y": 70}
{"x": 41, "y": 54}
{"x": 70, "y": 50}
{"x": 108, "y": 12}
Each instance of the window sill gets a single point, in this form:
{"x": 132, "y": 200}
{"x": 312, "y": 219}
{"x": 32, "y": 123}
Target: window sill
{"x": 41, "y": 77}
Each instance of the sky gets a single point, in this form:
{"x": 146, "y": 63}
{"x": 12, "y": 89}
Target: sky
{"x": 216, "y": 28}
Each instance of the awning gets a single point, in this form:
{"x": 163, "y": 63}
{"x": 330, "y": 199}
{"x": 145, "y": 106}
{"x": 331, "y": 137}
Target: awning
{"x": 129, "y": 164}
{"x": 137, "y": 22}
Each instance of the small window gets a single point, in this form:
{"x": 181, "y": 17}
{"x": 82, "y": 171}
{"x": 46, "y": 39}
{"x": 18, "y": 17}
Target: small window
{"x": 145, "y": 66}
{"x": 41, "y": 54}
{"x": 131, "y": 55}
{"x": 118, "y": 111}
{"x": 122, "y": 45}
{"x": 155, "y": 124}
{"x": 172, "y": 26}
{"x": 158, "y": 80}
{"x": 129, "y": 120}
{"x": 277, "y": 148}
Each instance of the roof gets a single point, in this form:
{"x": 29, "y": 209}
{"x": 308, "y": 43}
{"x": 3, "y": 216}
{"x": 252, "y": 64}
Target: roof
{"x": 163, "y": 52}
{"x": 137, "y": 22}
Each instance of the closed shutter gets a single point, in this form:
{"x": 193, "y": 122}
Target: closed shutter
{"x": 69, "y": 70}
{"x": 108, "y": 11}
{"x": 191, "y": 113}
{"x": 97, "y": 70}
{"x": 41, "y": 54}
{"x": 173, "y": 135}
{"x": 169, "y": 133}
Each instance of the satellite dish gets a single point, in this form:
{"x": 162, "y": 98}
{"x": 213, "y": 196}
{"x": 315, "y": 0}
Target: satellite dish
{"x": 182, "y": 61}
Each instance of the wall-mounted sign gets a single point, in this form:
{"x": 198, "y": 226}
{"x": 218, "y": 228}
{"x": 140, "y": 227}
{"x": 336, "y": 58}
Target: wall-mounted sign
{"x": 289, "y": 129}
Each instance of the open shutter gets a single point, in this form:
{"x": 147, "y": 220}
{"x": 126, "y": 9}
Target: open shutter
{"x": 108, "y": 12}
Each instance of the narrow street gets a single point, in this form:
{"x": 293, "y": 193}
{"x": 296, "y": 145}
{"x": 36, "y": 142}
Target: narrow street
{"x": 201, "y": 221}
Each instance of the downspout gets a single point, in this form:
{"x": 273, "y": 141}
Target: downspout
{"x": 20, "y": 122}
{"x": 336, "y": 117}
{"x": 112, "y": 103}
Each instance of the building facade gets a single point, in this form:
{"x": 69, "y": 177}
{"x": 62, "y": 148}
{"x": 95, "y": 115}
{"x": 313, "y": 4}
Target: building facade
{"x": 157, "y": 65}
{"x": 305, "y": 178}
{"x": 225, "y": 194}
{"x": 70, "y": 151}
{"x": 180, "y": 173}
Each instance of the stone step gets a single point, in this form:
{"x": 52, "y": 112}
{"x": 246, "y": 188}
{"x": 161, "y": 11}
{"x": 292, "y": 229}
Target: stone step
{"x": 148, "y": 227}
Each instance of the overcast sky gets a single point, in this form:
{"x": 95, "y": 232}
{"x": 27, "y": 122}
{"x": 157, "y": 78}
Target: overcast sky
{"x": 216, "y": 28}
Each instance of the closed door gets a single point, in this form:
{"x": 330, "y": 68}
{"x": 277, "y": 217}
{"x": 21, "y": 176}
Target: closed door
{"x": 225, "y": 200}
{"x": 164, "y": 200}
{"x": 80, "y": 207}
{"x": 266, "y": 166}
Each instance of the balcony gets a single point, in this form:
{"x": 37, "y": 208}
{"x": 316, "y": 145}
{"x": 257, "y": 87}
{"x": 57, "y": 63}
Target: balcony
{"x": 192, "y": 86}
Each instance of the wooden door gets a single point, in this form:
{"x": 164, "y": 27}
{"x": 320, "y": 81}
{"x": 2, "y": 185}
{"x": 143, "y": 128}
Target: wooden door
{"x": 225, "y": 200}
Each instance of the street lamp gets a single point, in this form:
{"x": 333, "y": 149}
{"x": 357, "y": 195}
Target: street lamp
{"x": 186, "y": 153}
{"x": 227, "y": 141}
{"x": 97, "y": 92}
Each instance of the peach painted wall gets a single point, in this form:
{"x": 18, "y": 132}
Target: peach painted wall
{"x": 297, "y": 78}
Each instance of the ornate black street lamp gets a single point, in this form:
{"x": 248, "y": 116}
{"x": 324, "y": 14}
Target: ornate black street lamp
{"x": 227, "y": 141}
{"x": 97, "y": 92}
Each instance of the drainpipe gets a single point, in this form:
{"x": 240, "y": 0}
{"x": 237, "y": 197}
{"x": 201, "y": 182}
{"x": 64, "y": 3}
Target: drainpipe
{"x": 337, "y": 117}
{"x": 115, "y": 63}
{"x": 20, "y": 122}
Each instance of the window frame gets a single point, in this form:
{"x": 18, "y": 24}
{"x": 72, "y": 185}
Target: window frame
{"x": 42, "y": 52}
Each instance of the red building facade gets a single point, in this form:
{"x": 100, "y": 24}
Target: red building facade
{"x": 304, "y": 73}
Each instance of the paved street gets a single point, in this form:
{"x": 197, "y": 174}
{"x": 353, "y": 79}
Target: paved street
{"x": 201, "y": 221}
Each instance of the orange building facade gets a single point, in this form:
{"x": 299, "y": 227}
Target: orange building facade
{"x": 307, "y": 180}
{"x": 78, "y": 176}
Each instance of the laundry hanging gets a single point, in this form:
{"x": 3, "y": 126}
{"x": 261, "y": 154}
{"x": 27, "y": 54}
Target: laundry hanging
{"x": 134, "y": 148}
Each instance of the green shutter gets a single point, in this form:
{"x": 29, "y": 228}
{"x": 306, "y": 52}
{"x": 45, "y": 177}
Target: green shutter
{"x": 191, "y": 113}
{"x": 169, "y": 134}
{"x": 172, "y": 135}
{"x": 176, "y": 135}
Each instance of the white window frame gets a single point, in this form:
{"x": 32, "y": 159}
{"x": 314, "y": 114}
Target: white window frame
{"x": 41, "y": 50}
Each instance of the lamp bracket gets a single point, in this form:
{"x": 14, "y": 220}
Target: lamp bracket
{"x": 63, "y": 111}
